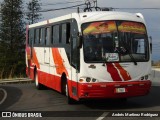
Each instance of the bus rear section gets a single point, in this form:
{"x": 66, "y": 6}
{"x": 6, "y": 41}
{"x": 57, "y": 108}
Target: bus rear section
{"x": 92, "y": 55}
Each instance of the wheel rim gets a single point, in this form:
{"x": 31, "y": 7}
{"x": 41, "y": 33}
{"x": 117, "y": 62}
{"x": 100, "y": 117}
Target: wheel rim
{"x": 36, "y": 80}
{"x": 66, "y": 90}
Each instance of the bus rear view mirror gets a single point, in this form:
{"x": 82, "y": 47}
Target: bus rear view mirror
{"x": 79, "y": 40}
{"x": 150, "y": 39}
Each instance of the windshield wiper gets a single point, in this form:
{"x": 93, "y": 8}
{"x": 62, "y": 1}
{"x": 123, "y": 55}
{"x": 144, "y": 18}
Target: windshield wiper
{"x": 133, "y": 59}
{"x": 104, "y": 61}
{"x": 129, "y": 53}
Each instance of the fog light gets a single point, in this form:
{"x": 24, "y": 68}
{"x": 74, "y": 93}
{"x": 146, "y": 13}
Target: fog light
{"x": 142, "y": 78}
{"x": 88, "y": 79}
{"x": 80, "y": 80}
{"x": 146, "y": 77}
{"x": 93, "y": 80}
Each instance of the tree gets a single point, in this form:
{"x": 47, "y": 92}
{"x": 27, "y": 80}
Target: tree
{"x": 12, "y": 39}
{"x": 33, "y": 14}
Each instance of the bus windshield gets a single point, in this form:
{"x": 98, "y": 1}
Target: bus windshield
{"x": 115, "y": 41}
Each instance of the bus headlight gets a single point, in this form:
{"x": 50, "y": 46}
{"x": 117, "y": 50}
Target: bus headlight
{"x": 146, "y": 77}
{"x": 142, "y": 78}
{"x": 88, "y": 79}
{"x": 94, "y": 80}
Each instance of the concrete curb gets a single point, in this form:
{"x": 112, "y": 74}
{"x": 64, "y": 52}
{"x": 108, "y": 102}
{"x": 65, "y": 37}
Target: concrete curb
{"x": 17, "y": 80}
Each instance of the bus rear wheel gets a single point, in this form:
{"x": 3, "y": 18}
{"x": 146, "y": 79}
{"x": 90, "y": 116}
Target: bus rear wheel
{"x": 38, "y": 85}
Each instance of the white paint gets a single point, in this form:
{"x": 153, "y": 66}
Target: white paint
{"x": 102, "y": 116}
{"x": 155, "y": 77}
{"x": 5, "y": 96}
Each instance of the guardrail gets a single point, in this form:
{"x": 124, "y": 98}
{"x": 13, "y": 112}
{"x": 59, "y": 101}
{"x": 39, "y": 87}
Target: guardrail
{"x": 16, "y": 80}
{"x": 155, "y": 78}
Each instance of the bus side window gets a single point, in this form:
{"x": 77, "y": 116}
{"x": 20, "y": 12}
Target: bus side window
{"x": 47, "y": 34}
{"x": 43, "y": 36}
{"x": 37, "y": 36}
{"x": 40, "y": 35}
{"x": 55, "y": 34}
{"x": 45, "y": 39}
{"x": 34, "y": 39}
{"x": 52, "y": 35}
{"x": 68, "y": 33}
{"x": 65, "y": 33}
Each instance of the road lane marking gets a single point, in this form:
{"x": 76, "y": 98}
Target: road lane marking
{"x": 102, "y": 116}
{"x": 5, "y": 95}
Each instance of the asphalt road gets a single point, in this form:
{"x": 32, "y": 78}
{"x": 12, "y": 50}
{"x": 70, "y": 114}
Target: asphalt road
{"x": 25, "y": 97}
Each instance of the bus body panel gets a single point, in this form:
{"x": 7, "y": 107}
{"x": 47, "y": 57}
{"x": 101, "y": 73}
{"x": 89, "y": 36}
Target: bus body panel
{"x": 52, "y": 62}
{"x": 110, "y": 89}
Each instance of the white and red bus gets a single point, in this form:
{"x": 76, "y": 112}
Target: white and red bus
{"x": 91, "y": 55}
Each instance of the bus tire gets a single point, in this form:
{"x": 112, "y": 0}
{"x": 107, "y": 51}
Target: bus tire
{"x": 69, "y": 99}
{"x": 37, "y": 84}
{"x": 123, "y": 100}
{"x": 63, "y": 84}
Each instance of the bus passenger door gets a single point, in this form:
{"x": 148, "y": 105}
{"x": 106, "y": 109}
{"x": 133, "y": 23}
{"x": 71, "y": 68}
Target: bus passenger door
{"x": 46, "y": 48}
{"x": 75, "y": 58}
{"x": 47, "y": 54}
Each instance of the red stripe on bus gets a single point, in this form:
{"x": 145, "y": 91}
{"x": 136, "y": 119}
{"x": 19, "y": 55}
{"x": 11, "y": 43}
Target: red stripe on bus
{"x": 113, "y": 72}
{"x": 34, "y": 58}
{"x": 60, "y": 68}
{"x": 123, "y": 72}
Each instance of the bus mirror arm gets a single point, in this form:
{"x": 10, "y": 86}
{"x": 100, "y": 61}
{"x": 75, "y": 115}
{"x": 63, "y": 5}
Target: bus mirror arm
{"x": 150, "y": 38}
{"x": 79, "y": 40}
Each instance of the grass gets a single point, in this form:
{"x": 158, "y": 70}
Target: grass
{"x": 11, "y": 74}
{"x": 1, "y": 73}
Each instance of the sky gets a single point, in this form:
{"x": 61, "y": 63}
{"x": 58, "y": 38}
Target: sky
{"x": 152, "y": 17}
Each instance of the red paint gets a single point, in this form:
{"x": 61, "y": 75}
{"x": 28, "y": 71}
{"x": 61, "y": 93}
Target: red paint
{"x": 113, "y": 72}
{"x": 35, "y": 59}
{"x": 59, "y": 62}
{"x": 96, "y": 91}
{"x": 28, "y": 52}
{"x": 53, "y": 81}
{"x": 123, "y": 72}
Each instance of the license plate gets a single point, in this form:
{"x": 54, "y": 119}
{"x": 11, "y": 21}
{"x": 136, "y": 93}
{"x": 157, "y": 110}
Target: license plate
{"x": 120, "y": 90}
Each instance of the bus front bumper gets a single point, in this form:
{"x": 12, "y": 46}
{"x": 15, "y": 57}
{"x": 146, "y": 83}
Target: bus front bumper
{"x": 113, "y": 89}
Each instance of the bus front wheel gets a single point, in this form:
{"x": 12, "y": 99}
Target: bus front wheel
{"x": 69, "y": 99}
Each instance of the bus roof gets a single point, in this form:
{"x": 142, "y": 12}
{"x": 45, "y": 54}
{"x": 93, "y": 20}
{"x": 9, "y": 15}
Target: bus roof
{"x": 94, "y": 16}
